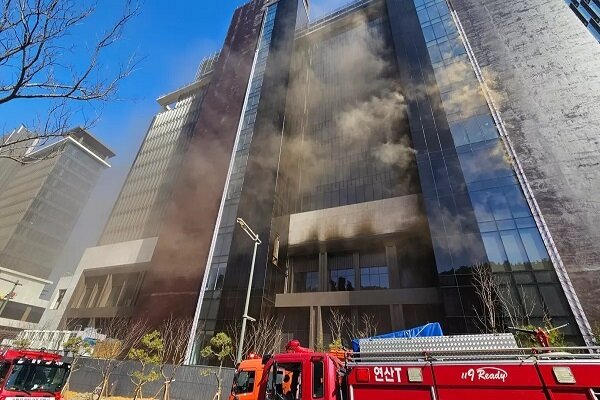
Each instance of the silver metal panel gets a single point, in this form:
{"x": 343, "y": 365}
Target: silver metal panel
{"x": 439, "y": 343}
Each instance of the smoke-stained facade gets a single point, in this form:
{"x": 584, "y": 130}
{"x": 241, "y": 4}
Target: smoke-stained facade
{"x": 382, "y": 154}
{"x": 395, "y": 176}
{"x": 141, "y": 204}
{"x": 109, "y": 277}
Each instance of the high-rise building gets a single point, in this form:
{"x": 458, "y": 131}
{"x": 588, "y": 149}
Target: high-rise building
{"x": 108, "y": 277}
{"x": 389, "y": 156}
{"x": 374, "y": 162}
{"x": 40, "y": 202}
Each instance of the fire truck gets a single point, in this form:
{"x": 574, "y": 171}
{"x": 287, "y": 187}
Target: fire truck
{"x": 31, "y": 374}
{"x": 466, "y": 367}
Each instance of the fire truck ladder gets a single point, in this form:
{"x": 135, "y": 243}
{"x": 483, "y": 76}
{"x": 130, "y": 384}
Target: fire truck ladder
{"x": 462, "y": 348}
{"x": 516, "y": 354}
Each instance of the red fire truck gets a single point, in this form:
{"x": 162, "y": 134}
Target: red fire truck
{"x": 31, "y": 374}
{"x": 442, "y": 374}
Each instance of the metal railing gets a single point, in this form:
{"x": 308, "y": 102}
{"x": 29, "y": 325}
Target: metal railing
{"x": 335, "y": 13}
{"x": 509, "y": 354}
{"x": 207, "y": 65}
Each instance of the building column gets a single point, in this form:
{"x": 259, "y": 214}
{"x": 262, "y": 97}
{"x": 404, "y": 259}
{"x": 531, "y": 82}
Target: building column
{"x": 397, "y": 317}
{"x": 391, "y": 258}
{"x": 319, "y": 325}
{"x": 356, "y": 264}
{"x": 311, "y": 328}
{"x": 323, "y": 275}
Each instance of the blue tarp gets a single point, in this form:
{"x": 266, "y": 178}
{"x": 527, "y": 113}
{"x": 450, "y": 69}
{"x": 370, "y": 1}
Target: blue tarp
{"x": 431, "y": 329}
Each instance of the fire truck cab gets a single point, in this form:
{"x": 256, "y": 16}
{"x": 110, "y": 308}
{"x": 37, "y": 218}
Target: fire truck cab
{"x": 31, "y": 374}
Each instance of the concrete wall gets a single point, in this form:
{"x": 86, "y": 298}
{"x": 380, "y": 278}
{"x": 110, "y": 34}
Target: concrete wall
{"x": 119, "y": 257}
{"x": 372, "y": 218}
{"x": 191, "y": 382}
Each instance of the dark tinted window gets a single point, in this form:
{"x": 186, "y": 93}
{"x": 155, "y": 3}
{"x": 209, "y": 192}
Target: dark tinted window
{"x": 317, "y": 379}
{"x": 244, "y": 382}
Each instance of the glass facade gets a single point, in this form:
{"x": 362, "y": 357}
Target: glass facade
{"x": 501, "y": 217}
{"x": 588, "y": 12}
{"x": 39, "y": 206}
{"x": 141, "y": 205}
{"x": 345, "y": 159}
{"x": 219, "y": 255}
{"x": 374, "y": 278}
{"x": 384, "y": 114}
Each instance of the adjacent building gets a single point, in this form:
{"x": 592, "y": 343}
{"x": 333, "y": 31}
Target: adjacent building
{"x": 40, "y": 201}
{"x": 108, "y": 277}
{"x": 384, "y": 154}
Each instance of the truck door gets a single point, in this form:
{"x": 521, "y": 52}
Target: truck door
{"x": 317, "y": 370}
{"x": 284, "y": 381}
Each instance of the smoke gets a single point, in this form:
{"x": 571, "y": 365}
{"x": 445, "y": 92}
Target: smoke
{"x": 354, "y": 112}
{"x": 378, "y": 117}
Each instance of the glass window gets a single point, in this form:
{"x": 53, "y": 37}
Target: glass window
{"x": 534, "y": 246}
{"x": 495, "y": 250}
{"x": 341, "y": 279}
{"x": 433, "y": 12}
{"x": 498, "y": 204}
{"x": 434, "y": 54}
{"x": 422, "y": 14}
{"x": 516, "y": 201}
{"x": 374, "y": 278}
{"x": 4, "y": 367}
{"x": 514, "y": 249}
{"x": 243, "y": 382}
{"x": 555, "y": 300}
{"x": 36, "y": 377}
{"x": 216, "y": 277}
{"x": 306, "y": 282}
{"x": 443, "y": 260}
{"x": 318, "y": 375}
{"x": 438, "y": 30}
{"x": 481, "y": 207}
{"x": 428, "y": 34}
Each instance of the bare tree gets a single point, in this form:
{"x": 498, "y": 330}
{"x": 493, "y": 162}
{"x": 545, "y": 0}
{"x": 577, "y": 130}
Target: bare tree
{"x": 488, "y": 292}
{"x": 264, "y": 336}
{"x": 219, "y": 347}
{"x": 337, "y": 322}
{"x": 40, "y": 60}
{"x": 503, "y": 303}
{"x": 75, "y": 347}
{"x": 362, "y": 326}
{"x": 121, "y": 335}
{"x": 176, "y": 334}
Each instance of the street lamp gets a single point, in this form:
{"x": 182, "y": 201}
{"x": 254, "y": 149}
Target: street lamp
{"x": 10, "y": 294}
{"x": 246, "y": 317}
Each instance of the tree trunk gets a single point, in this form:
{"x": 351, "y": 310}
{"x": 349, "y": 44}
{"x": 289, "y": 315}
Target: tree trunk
{"x": 103, "y": 388}
{"x": 166, "y": 393}
{"x": 137, "y": 393}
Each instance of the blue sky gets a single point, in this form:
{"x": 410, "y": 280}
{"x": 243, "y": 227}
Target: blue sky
{"x": 172, "y": 37}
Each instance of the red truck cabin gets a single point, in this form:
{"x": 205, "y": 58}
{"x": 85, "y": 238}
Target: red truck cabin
{"x": 31, "y": 374}
{"x": 301, "y": 376}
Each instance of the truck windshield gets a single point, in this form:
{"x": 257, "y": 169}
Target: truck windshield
{"x": 35, "y": 377}
{"x": 243, "y": 382}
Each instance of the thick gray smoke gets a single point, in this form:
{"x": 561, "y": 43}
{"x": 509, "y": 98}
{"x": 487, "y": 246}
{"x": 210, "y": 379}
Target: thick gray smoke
{"x": 350, "y": 86}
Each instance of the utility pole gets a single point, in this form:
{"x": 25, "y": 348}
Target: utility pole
{"x": 10, "y": 294}
{"x": 246, "y": 317}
